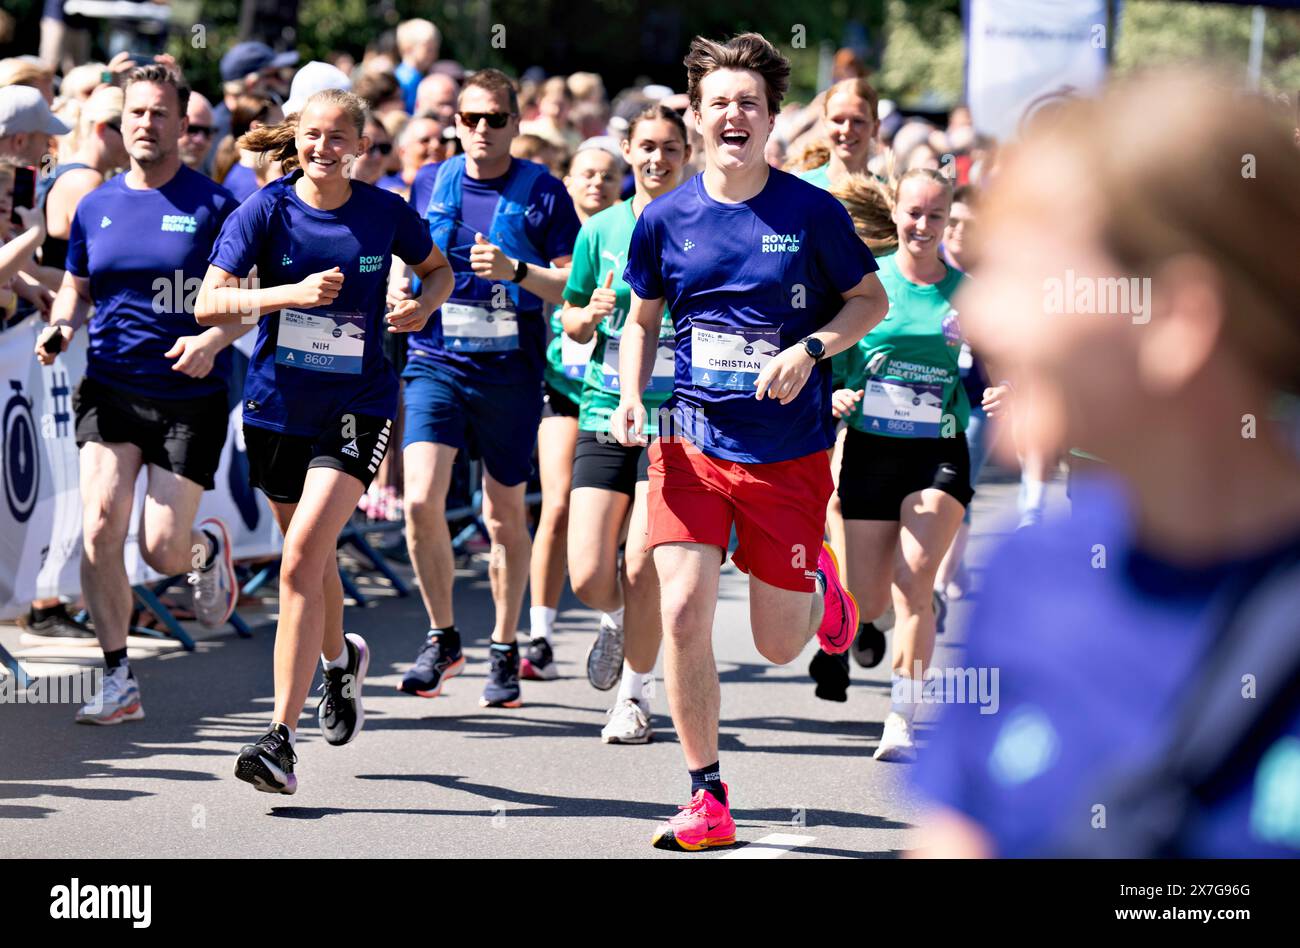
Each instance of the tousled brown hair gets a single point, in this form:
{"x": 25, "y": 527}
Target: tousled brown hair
{"x": 749, "y": 51}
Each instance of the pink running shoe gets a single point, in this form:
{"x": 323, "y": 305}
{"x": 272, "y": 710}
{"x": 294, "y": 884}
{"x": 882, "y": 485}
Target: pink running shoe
{"x": 840, "y": 613}
{"x": 702, "y": 823}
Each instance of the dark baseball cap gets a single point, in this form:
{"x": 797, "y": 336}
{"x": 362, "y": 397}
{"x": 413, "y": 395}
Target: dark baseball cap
{"x": 243, "y": 58}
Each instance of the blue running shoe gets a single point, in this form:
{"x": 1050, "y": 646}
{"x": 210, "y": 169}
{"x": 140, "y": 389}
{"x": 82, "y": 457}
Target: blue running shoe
{"x": 502, "y": 688}
{"x": 433, "y": 666}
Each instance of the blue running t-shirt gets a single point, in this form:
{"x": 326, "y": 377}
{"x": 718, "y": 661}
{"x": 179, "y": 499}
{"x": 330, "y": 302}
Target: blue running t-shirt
{"x": 743, "y": 282}
{"x": 241, "y": 181}
{"x": 145, "y": 253}
{"x": 1094, "y": 644}
{"x": 311, "y": 366}
{"x": 550, "y": 225}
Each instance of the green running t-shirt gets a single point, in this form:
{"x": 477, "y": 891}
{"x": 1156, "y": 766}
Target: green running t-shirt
{"x": 907, "y": 365}
{"x": 602, "y": 247}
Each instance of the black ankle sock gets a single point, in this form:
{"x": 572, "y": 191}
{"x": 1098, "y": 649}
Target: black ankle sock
{"x": 46, "y": 612}
{"x": 214, "y": 547}
{"x": 449, "y": 636}
{"x": 116, "y": 659}
{"x": 709, "y": 778}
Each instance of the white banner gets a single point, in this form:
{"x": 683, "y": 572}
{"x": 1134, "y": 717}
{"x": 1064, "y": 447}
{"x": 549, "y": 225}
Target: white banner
{"x": 1022, "y": 54}
{"x": 40, "y": 516}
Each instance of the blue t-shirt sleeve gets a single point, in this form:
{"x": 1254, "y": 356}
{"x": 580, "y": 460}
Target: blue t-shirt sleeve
{"x": 77, "y": 262}
{"x": 411, "y": 239}
{"x": 841, "y": 254}
{"x": 239, "y": 245}
{"x": 561, "y": 220}
{"x": 642, "y": 272}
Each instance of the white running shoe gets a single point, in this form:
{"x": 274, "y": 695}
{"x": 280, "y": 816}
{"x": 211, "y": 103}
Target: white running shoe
{"x": 628, "y": 724}
{"x": 605, "y": 657}
{"x": 896, "y": 740}
{"x": 215, "y": 590}
{"x": 118, "y": 701}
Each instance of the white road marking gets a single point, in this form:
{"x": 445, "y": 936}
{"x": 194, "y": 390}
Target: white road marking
{"x": 772, "y": 846}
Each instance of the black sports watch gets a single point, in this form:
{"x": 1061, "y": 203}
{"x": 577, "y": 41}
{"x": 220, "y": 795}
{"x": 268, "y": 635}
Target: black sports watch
{"x": 521, "y": 271}
{"x": 814, "y": 347}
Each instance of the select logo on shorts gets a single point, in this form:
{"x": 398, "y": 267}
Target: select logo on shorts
{"x": 179, "y": 223}
{"x": 782, "y": 243}
{"x": 351, "y": 449}
{"x": 371, "y": 264}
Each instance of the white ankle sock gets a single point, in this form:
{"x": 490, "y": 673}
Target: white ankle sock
{"x": 635, "y": 686}
{"x": 904, "y": 696}
{"x": 540, "y": 620}
{"x": 616, "y": 616}
{"x": 293, "y": 735}
{"x": 340, "y": 662}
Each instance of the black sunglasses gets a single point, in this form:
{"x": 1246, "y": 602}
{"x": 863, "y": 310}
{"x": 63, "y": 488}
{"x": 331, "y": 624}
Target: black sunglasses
{"x": 381, "y": 148}
{"x": 494, "y": 119}
{"x": 206, "y": 131}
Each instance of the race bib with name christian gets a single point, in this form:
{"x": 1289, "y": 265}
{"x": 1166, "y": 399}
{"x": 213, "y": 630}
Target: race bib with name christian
{"x": 725, "y": 357}
{"x": 909, "y": 409}
{"x": 574, "y": 355}
{"x": 661, "y": 376}
{"x": 470, "y": 327}
{"x": 324, "y": 342}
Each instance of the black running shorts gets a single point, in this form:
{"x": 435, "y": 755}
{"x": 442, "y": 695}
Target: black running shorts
{"x": 278, "y": 462}
{"x": 600, "y": 461}
{"x": 184, "y": 436}
{"x": 877, "y": 472}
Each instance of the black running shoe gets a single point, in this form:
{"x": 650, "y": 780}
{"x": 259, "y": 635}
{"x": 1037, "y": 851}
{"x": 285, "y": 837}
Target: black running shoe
{"x": 538, "y": 663}
{"x": 340, "y": 713}
{"x": 57, "y": 624}
{"x": 268, "y": 764}
{"x": 831, "y": 672}
{"x": 868, "y": 646}
{"x": 502, "y": 688}
{"x": 433, "y": 666}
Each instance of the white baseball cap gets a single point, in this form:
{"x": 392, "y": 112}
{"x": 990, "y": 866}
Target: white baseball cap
{"x": 23, "y": 110}
{"x": 314, "y": 77}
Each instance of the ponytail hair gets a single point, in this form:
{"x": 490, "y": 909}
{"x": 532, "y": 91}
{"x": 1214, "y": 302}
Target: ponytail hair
{"x": 278, "y": 142}
{"x": 871, "y": 206}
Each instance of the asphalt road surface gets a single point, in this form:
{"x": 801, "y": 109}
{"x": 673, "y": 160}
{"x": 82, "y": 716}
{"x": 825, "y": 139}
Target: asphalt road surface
{"x": 444, "y": 777}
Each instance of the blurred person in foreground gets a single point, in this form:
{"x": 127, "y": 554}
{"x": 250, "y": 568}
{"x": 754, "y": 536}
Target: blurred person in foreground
{"x": 1146, "y": 648}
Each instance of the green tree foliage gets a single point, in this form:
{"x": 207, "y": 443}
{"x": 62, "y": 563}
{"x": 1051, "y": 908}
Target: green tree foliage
{"x": 1157, "y": 32}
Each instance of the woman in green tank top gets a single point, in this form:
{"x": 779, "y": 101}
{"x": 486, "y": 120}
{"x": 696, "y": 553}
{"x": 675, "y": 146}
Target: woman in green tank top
{"x": 609, "y": 481}
{"x": 593, "y": 182}
{"x": 905, "y": 473}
